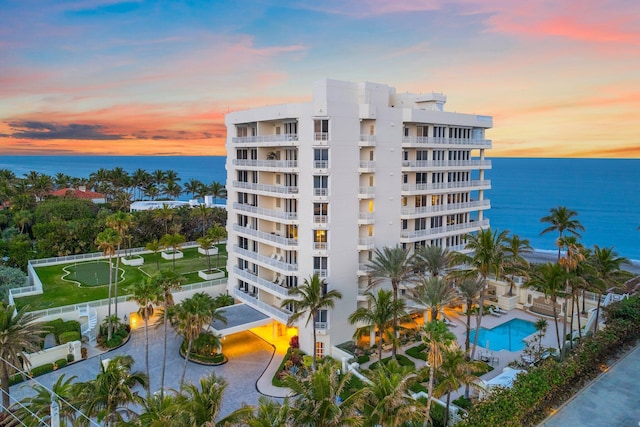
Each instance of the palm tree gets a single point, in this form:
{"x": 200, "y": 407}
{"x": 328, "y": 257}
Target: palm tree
{"x": 550, "y": 280}
{"x": 38, "y": 407}
{"x": 160, "y": 411}
{"x": 562, "y": 219}
{"x": 438, "y": 338}
{"x": 22, "y": 218}
{"x": 217, "y": 190}
{"x": 469, "y": 290}
{"x": 120, "y": 222}
{"x": 319, "y": 402}
{"x": 454, "y": 372}
{"x": 108, "y": 396}
{"x": 434, "y": 259}
{"x": 217, "y": 233}
{"x": 168, "y": 281}
{"x": 310, "y": 299}
{"x": 174, "y": 241}
{"x": 192, "y": 187}
{"x": 206, "y": 243}
{"x": 165, "y": 214}
{"x": 202, "y": 405}
{"x": 606, "y": 264}
{"x": 387, "y": 396}
{"x": 487, "y": 258}
{"x": 190, "y": 316}
{"x": 378, "y": 316}
{"x": 270, "y": 413}
{"x": 202, "y": 211}
{"x": 393, "y": 264}
{"x": 435, "y": 293}
{"x": 154, "y": 246}
{"x": 107, "y": 242}
{"x": 18, "y": 334}
{"x": 146, "y": 293}
{"x": 172, "y": 189}
{"x": 570, "y": 261}
{"x": 515, "y": 264}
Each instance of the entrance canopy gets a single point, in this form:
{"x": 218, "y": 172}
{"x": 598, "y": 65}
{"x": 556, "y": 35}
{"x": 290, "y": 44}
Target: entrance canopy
{"x": 240, "y": 317}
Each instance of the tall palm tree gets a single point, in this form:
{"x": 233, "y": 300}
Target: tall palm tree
{"x": 160, "y": 411}
{"x": 217, "y": 233}
{"x": 438, "y": 338}
{"x": 387, "y": 399}
{"x": 309, "y": 299}
{"x": 165, "y": 214}
{"x": 37, "y": 407}
{"x": 173, "y": 241}
{"x": 378, "y": 316}
{"x": 202, "y": 211}
{"x": 190, "y": 316}
{"x": 433, "y": 259}
{"x": 206, "y": 243}
{"x": 108, "y": 240}
{"x": 487, "y": 258}
{"x": 606, "y": 264}
{"x": 562, "y": 219}
{"x": 172, "y": 189}
{"x": 192, "y": 187}
{"x": 396, "y": 265}
{"x": 18, "y": 334}
{"x": 569, "y": 261}
{"x": 154, "y": 246}
{"x": 108, "y": 396}
{"x": 168, "y": 280}
{"x": 434, "y": 293}
{"x": 469, "y": 290}
{"x": 202, "y": 405}
{"x": 217, "y": 190}
{"x": 270, "y": 413}
{"x": 22, "y": 219}
{"x": 454, "y": 372}
{"x": 550, "y": 280}
{"x": 319, "y": 402}
{"x": 146, "y": 293}
{"x": 120, "y": 222}
{"x": 515, "y": 263}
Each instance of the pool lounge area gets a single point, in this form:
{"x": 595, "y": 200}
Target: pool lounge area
{"x": 509, "y": 336}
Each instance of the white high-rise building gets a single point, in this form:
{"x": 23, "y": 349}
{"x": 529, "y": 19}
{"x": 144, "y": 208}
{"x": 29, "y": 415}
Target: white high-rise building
{"x": 316, "y": 187}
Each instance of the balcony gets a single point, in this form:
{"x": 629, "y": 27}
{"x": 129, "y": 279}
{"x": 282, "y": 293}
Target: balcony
{"x": 279, "y": 314}
{"x": 320, "y": 164}
{"x": 425, "y": 142}
{"x": 265, "y": 188}
{"x": 409, "y": 213}
{"x": 320, "y": 192}
{"x": 259, "y": 282}
{"x": 321, "y": 220}
{"x": 284, "y": 242}
{"x": 275, "y": 165}
{"x": 366, "y": 192}
{"x": 273, "y": 262}
{"x": 321, "y": 138}
{"x": 282, "y": 139}
{"x": 269, "y": 214}
{"x": 367, "y": 141}
{"x": 407, "y": 236}
{"x": 364, "y": 269}
{"x": 366, "y": 243}
{"x": 319, "y": 246}
{"x": 408, "y": 165}
{"x": 321, "y": 272}
{"x": 365, "y": 218}
{"x": 413, "y": 189}
{"x": 366, "y": 166}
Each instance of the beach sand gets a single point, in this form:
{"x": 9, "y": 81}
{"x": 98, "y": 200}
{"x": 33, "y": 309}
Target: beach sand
{"x": 540, "y": 257}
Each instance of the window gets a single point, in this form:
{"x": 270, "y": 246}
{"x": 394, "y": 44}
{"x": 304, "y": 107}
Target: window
{"x": 320, "y": 239}
{"x": 421, "y": 177}
{"x": 291, "y": 128}
{"x": 422, "y": 155}
{"x": 405, "y": 224}
{"x": 320, "y": 185}
{"x": 436, "y": 222}
{"x": 320, "y": 158}
{"x": 292, "y": 232}
{"x": 242, "y": 154}
{"x": 320, "y": 212}
{"x": 320, "y": 266}
{"x": 321, "y": 319}
{"x": 243, "y": 176}
{"x": 421, "y": 201}
{"x": 421, "y": 224}
{"x": 321, "y": 129}
{"x": 319, "y": 350}
{"x": 406, "y": 131}
{"x": 241, "y": 131}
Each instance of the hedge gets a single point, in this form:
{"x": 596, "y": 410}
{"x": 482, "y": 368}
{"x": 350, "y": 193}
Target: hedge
{"x": 544, "y": 387}
{"x": 69, "y": 336}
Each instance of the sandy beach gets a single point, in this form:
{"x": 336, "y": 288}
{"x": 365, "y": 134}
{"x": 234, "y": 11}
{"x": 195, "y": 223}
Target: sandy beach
{"x": 539, "y": 257}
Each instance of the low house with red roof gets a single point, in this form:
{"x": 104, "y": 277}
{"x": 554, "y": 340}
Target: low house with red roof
{"x": 80, "y": 193}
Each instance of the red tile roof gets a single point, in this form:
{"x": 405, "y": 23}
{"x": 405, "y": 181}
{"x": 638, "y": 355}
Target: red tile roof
{"x": 77, "y": 193}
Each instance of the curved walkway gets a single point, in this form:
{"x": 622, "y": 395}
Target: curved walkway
{"x": 613, "y": 399}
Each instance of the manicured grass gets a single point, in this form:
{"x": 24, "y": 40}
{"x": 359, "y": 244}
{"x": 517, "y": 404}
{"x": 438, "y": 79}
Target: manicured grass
{"x": 58, "y": 292}
{"x": 402, "y": 361}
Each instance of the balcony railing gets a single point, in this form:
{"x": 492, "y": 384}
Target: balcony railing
{"x": 320, "y": 219}
{"x": 322, "y": 272}
{"x": 259, "y": 282}
{"x": 272, "y": 261}
{"x": 288, "y": 164}
{"x": 265, "y": 212}
{"x": 365, "y": 217}
{"x": 320, "y": 164}
{"x": 271, "y": 237}
{"x": 281, "y": 315}
{"x": 367, "y": 166}
{"x": 265, "y": 138}
{"x": 321, "y": 136}
{"x": 416, "y": 188}
{"x": 320, "y": 192}
{"x": 431, "y": 141}
{"x": 413, "y": 234}
{"x": 444, "y": 208}
{"x": 450, "y": 164}
{"x": 367, "y": 140}
{"x": 366, "y": 192}
{"x": 280, "y": 189}
{"x": 320, "y": 246}
{"x": 365, "y": 243}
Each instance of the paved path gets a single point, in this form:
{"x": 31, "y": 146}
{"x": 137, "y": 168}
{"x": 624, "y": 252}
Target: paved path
{"x": 611, "y": 400}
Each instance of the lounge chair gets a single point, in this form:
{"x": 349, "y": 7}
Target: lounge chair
{"x": 493, "y": 312}
{"x": 500, "y": 310}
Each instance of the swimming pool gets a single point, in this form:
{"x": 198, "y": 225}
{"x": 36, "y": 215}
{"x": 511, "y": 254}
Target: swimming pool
{"x": 508, "y": 336}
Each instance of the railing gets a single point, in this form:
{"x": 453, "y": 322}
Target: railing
{"x": 367, "y": 191}
{"x": 365, "y": 216}
{"x": 260, "y": 282}
{"x": 280, "y": 189}
{"x": 320, "y": 246}
{"x": 367, "y": 164}
{"x": 265, "y": 138}
{"x": 320, "y": 219}
{"x": 367, "y": 140}
{"x": 320, "y": 192}
{"x": 322, "y": 325}
{"x": 290, "y": 164}
{"x": 321, "y": 136}
{"x": 445, "y": 185}
{"x": 322, "y": 272}
{"x": 265, "y": 260}
{"x": 279, "y": 314}
{"x": 266, "y": 212}
{"x": 366, "y": 242}
{"x": 427, "y": 140}
{"x": 271, "y": 237}
{"x": 443, "y": 208}
{"x": 423, "y": 164}
{"x": 363, "y": 266}
{"x": 406, "y": 234}
{"x": 320, "y": 164}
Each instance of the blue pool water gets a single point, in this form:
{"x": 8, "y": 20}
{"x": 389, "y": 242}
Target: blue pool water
{"x": 508, "y": 336}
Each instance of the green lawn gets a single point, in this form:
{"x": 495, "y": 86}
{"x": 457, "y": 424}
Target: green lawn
{"x": 58, "y": 292}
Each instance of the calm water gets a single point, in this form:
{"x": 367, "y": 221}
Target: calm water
{"x": 508, "y": 336}
{"x": 605, "y": 192}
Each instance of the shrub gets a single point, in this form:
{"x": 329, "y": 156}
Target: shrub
{"x": 70, "y": 358}
{"x": 61, "y": 363}
{"x": 294, "y": 342}
{"x": 401, "y": 358}
{"x": 417, "y": 352}
{"x": 69, "y": 336}
{"x": 69, "y": 325}
{"x": 43, "y": 369}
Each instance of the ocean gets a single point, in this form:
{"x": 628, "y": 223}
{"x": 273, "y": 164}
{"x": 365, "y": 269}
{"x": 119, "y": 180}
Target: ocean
{"x": 604, "y": 192}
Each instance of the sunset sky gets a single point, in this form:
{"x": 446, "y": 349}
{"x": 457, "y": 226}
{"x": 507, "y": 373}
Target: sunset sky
{"x": 560, "y": 78}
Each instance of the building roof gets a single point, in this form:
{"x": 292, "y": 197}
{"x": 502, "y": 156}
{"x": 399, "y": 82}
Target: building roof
{"x": 80, "y": 194}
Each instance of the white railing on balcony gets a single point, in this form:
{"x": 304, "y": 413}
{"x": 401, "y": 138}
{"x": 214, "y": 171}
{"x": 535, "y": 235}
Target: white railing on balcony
{"x": 271, "y": 311}
{"x": 271, "y": 261}
{"x": 367, "y": 191}
{"x": 366, "y": 242}
{"x": 265, "y": 138}
{"x": 266, "y": 163}
{"x": 322, "y": 272}
{"x": 280, "y": 189}
{"x": 423, "y": 164}
{"x": 321, "y": 136}
{"x": 320, "y": 246}
{"x": 367, "y": 140}
{"x": 445, "y": 185}
{"x": 446, "y": 141}
{"x": 320, "y": 164}
{"x": 266, "y": 212}
{"x": 271, "y": 237}
{"x": 259, "y": 282}
{"x": 320, "y": 192}
{"x": 443, "y": 208}
{"x": 367, "y": 164}
{"x": 320, "y": 219}
{"x": 365, "y": 216}
{"x": 364, "y": 266}
{"x": 322, "y": 325}
{"x": 412, "y": 234}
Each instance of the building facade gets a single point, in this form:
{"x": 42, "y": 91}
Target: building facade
{"x": 315, "y": 188}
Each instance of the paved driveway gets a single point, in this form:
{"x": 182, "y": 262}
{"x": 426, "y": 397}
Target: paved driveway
{"x": 248, "y": 358}
{"x": 612, "y": 400}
